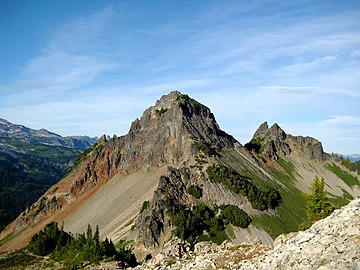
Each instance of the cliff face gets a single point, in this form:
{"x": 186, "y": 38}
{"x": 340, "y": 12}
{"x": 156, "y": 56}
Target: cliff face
{"x": 152, "y": 222}
{"x": 274, "y": 142}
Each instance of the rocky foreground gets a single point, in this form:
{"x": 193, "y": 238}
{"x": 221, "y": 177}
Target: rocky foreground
{"x": 331, "y": 243}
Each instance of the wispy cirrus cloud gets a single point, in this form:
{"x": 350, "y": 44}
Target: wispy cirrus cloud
{"x": 309, "y": 65}
{"x": 73, "y": 55}
{"x": 66, "y": 70}
{"x": 342, "y": 120}
{"x": 308, "y": 90}
{"x": 302, "y": 46}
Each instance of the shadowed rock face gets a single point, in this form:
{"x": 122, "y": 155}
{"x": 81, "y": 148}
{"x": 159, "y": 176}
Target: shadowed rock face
{"x": 275, "y": 142}
{"x": 153, "y": 221}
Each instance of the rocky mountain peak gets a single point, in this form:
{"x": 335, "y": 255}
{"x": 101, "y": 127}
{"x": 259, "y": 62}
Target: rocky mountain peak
{"x": 178, "y": 115}
{"x": 171, "y": 160}
{"x": 262, "y": 130}
{"x": 165, "y": 135}
{"x": 169, "y": 99}
{"x": 273, "y": 142}
{"x": 275, "y": 131}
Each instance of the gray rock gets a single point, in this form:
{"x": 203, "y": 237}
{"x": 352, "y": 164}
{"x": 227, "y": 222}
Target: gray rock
{"x": 275, "y": 142}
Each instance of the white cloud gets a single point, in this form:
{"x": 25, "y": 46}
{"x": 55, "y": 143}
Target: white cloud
{"x": 304, "y": 66}
{"x": 73, "y": 56}
{"x": 92, "y": 114}
{"x": 342, "y": 120}
{"x": 66, "y": 70}
{"x": 308, "y": 90}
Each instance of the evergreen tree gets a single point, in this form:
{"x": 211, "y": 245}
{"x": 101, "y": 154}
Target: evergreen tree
{"x": 89, "y": 236}
{"x": 97, "y": 236}
{"x": 47, "y": 240}
{"x": 74, "y": 251}
{"x": 109, "y": 248}
{"x": 318, "y": 205}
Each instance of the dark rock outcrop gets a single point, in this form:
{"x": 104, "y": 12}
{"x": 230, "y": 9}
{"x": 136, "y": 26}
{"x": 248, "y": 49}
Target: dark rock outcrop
{"x": 273, "y": 142}
{"x": 171, "y": 191}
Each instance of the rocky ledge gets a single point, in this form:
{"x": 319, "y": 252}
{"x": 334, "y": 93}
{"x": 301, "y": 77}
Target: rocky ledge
{"x": 331, "y": 243}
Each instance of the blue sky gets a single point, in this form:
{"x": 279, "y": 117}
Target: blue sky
{"x": 91, "y": 67}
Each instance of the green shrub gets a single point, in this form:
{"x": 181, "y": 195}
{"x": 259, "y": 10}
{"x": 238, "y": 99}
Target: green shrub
{"x": 205, "y": 148}
{"x": 144, "y": 206}
{"x": 254, "y": 145}
{"x": 46, "y": 241}
{"x": 240, "y": 184}
{"x": 352, "y": 166}
{"x": 19, "y": 259}
{"x": 183, "y": 97}
{"x": 236, "y": 216}
{"x": 347, "y": 178}
{"x": 186, "y": 98}
{"x": 161, "y": 111}
{"x": 195, "y": 191}
{"x": 190, "y": 225}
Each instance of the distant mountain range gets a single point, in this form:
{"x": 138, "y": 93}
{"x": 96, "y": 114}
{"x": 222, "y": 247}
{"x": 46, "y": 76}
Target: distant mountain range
{"x": 352, "y": 158}
{"x": 42, "y": 136}
{"x": 31, "y": 161}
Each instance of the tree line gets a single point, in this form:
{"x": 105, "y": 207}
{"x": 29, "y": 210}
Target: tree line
{"x": 240, "y": 184}
{"x": 77, "y": 251}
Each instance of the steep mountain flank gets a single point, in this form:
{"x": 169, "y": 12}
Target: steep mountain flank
{"x": 164, "y": 135}
{"x": 177, "y": 173}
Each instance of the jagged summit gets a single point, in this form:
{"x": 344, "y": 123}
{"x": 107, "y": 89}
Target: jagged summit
{"x": 273, "y": 142}
{"x": 166, "y": 134}
{"x": 179, "y": 114}
{"x": 275, "y": 131}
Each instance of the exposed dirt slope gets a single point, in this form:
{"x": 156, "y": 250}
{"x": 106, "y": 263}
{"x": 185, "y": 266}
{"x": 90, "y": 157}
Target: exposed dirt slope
{"x": 115, "y": 204}
{"x": 307, "y": 170}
